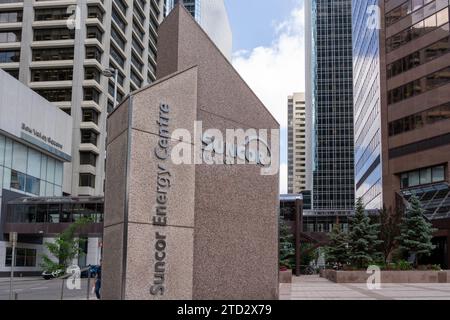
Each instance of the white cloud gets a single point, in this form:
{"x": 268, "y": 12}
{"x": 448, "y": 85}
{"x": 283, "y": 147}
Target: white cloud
{"x": 276, "y": 71}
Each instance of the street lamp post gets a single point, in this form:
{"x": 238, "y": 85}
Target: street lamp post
{"x": 109, "y": 73}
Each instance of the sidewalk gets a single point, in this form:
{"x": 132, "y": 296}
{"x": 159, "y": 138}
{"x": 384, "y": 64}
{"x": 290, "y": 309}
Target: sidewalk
{"x": 316, "y": 288}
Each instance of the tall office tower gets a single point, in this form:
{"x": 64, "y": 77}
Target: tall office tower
{"x": 299, "y": 144}
{"x": 366, "y": 99}
{"x": 63, "y": 62}
{"x": 415, "y": 104}
{"x": 412, "y": 48}
{"x": 213, "y": 17}
{"x": 329, "y": 23}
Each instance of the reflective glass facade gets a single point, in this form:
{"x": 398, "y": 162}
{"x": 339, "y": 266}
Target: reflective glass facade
{"x": 28, "y": 171}
{"x": 332, "y": 99}
{"x": 366, "y": 94}
{"x": 193, "y": 6}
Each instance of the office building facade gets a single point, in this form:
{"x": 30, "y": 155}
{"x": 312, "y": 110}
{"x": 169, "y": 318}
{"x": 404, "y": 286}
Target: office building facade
{"x": 408, "y": 105}
{"x": 416, "y": 103}
{"x": 412, "y": 150}
{"x": 213, "y": 17}
{"x": 299, "y": 144}
{"x": 330, "y": 84}
{"x": 367, "y": 104}
{"x": 60, "y": 48}
{"x": 35, "y": 142}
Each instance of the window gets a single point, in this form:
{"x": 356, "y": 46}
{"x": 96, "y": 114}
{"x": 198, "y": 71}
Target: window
{"x": 91, "y": 74}
{"x": 118, "y": 38}
{"x": 87, "y": 180}
{"x": 13, "y": 72}
{"x": 53, "y": 54}
{"x": 419, "y": 120}
{"x": 90, "y": 115}
{"x": 93, "y": 53}
{"x": 54, "y": 95}
{"x": 10, "y": 36}
{"x": 422, "y": 177}
{"x": 419, "y": 86}
{"x": 438, "y": 174}
{"x": 94, "y": 33}
{"x": 88, "y": 158}
{"x": 53, "y": 34}
{"x": 24, "y": 257}
{"x": 9, "y": 56}
{"x": 51, "y": 14}
{"x": 58, "y": 74}
{"x": 10, "y": 16}
{"x": 95, "y": 12}
{"x": 419, "y": 57}
{"x": 91, "y": 94}
{"x": 17, "y": 180}
{"x": 417, "y": 30}
{"x": 88, "y": 136}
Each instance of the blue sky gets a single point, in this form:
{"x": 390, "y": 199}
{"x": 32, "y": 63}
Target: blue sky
{"x": 252, "y": 20}
{"x": 268, "y": 52}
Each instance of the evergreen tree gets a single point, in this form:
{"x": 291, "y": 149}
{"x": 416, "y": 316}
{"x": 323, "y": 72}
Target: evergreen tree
{"x": 337, "y": 250}
{"x": 287, "y": 248}
{"x": 363, "y": 238}
{"x": 415, "y": 231}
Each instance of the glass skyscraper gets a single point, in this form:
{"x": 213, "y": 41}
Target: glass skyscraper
{"x": 193, "y": 6}
{"x": 329, "y": 29}
{"x": 212, "y": 16}
{"x": 366, "y": 89}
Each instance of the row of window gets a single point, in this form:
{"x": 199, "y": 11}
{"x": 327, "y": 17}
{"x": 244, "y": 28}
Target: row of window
{"x": 419, "y": 29}
{"x": 419, "y": 57}
{"x": 422, "y": 177}
{"x": 26, "y": 183}
{"x": 419, "y": 86}
{"x": 54, "y": 212}
{"x": 20, "y": 158}
{"x": 11, "y": 16}
{"x": 419, "y": 120}
{"x": 55, "y": 95}
{"x": 404, "y": 9}
{"x": 24, "y": 257}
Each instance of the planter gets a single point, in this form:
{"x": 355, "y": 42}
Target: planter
{"x": 415, "y": 276}
{"x": 286, "y": 276}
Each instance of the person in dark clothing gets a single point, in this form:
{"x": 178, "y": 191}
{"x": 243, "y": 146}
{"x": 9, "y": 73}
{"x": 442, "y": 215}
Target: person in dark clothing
{"x": 98, "y": 280}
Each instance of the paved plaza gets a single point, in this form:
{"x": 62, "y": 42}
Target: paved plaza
{"x": 316, "y": 288}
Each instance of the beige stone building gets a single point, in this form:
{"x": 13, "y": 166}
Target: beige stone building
{"x": 299, "y": 144}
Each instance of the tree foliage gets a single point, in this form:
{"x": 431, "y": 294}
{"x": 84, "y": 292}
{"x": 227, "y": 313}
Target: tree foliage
{"x": 337, "y": 252}
{"x": 65, "y": 248}
{"x": 415, "y": 231}
{"x": 287, "y": 247}
{"x": 363, "y": 238}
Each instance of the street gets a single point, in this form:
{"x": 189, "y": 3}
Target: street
{"x": 36, "y": 288}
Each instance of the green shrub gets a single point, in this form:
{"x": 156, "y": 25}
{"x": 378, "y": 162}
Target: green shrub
{"x": 436, "y": 267}
{"x": 403, "y": 265}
